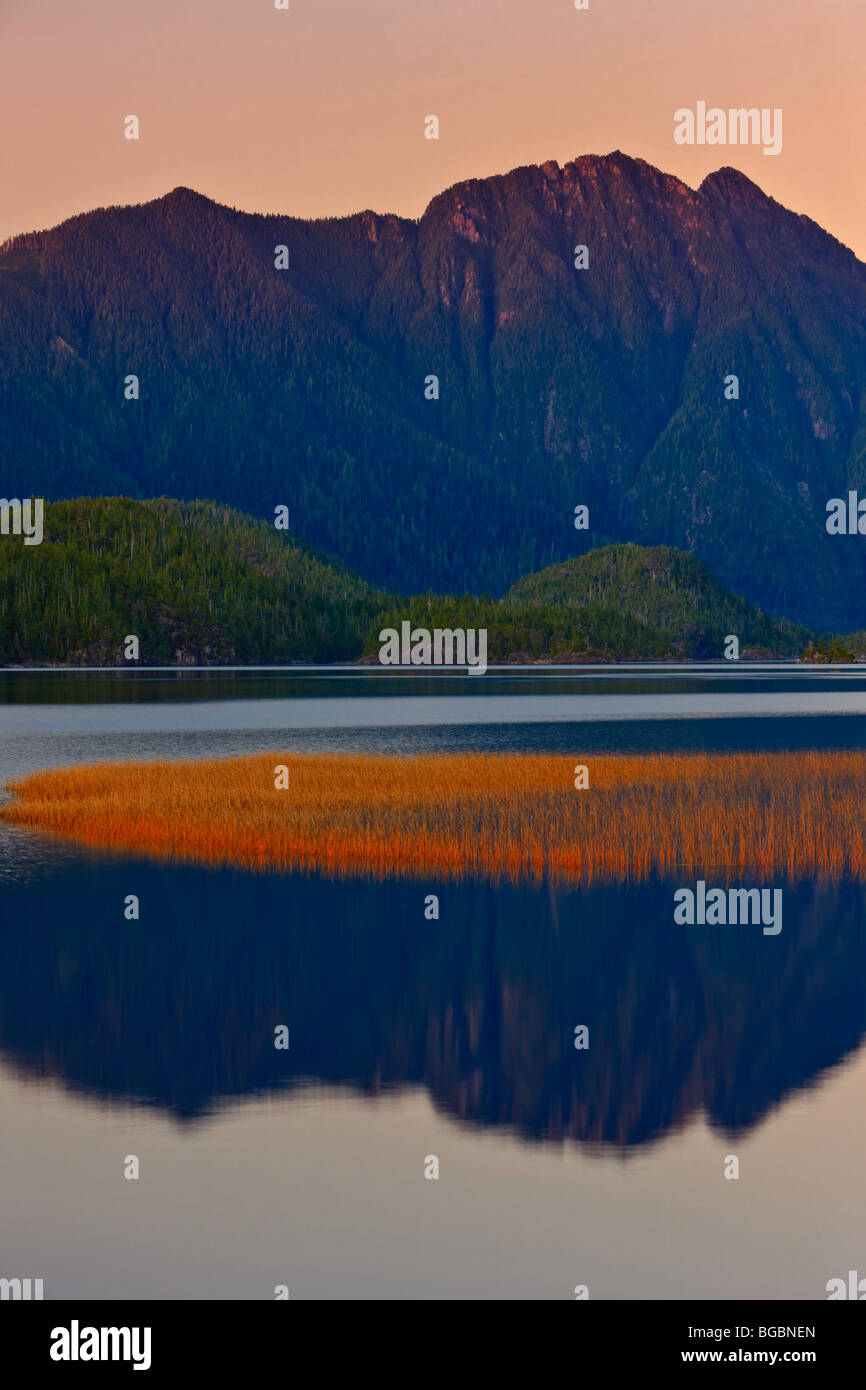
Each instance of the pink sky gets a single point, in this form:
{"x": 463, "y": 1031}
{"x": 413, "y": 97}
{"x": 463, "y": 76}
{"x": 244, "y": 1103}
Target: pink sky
{"x": 320, "y": 110}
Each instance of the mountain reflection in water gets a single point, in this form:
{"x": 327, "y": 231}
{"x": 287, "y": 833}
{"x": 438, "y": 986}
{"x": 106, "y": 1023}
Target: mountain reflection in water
{"x": 177, "y": 1010}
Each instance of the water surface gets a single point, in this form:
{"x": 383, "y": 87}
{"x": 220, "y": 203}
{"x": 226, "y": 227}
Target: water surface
{"x": 411, "y": 1037}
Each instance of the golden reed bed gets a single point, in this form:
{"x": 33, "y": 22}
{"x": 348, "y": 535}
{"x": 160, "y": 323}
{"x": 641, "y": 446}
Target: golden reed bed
{"x": 500, "y": 817}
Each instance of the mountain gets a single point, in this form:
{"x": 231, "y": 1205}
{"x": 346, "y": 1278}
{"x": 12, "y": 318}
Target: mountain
{"x": 196, "y": 583}
{"x": 199, "y": 583}
{"x": 667, "y": 591}
{"x": 557, "y": 386}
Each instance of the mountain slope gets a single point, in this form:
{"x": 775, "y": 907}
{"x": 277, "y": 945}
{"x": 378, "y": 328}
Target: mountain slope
{"x": 557, "y": 386}
{"x": 196, "y": 583}
{"x": 666, "y": 590}
{"x": 199, "y": 583}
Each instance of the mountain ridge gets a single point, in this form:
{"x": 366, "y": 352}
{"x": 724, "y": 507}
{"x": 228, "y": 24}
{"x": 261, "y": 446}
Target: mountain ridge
{"x": 719, "y": 178}
{"x": 557, "y": 386}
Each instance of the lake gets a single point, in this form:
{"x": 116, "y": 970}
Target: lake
{"x": 411, "y": 1039}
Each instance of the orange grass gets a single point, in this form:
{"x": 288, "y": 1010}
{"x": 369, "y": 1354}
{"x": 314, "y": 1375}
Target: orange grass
{"x": 447, "y": 816}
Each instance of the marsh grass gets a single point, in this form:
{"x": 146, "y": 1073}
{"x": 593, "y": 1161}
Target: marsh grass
{"x": 510, "y": 817}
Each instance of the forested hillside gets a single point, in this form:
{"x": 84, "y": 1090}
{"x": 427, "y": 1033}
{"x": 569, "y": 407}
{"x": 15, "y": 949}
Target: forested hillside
{"x": 193, "y": 581}
{"x": 200, "y": 583}
{"x": 666, "y": 590}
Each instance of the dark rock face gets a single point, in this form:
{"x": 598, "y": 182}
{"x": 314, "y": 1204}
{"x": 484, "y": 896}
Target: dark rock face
{"x": 557, "y": 386}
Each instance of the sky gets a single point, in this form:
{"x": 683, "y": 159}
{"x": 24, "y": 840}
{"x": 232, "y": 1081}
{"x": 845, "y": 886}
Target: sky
{"x": 319, "y": 110}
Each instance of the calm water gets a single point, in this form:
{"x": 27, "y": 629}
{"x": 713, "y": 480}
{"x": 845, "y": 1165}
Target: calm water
{"x": 411, "y": 1038}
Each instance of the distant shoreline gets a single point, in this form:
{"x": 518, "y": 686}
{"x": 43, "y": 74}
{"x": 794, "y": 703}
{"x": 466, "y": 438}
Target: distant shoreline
{"x": 363, "y": 665}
